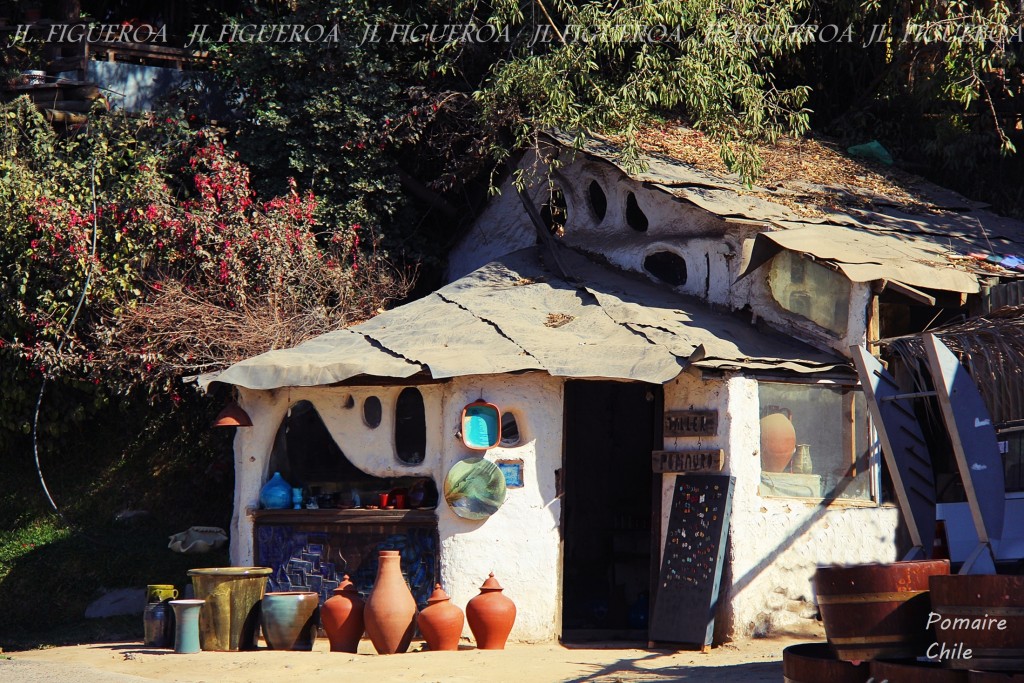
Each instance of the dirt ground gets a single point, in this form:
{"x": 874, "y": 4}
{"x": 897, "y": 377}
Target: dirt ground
{"x": 751, "y": 660}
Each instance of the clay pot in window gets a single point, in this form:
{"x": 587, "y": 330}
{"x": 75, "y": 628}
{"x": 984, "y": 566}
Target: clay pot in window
{"x": 778, "y": 442}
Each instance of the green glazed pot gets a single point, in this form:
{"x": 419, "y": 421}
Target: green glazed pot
{"x": 290, "y": 619}
{"x": 228, "y": 621}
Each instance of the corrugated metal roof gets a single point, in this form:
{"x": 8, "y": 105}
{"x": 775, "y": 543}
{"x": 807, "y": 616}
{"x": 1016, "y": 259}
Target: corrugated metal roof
{"x": 517, "y": 314}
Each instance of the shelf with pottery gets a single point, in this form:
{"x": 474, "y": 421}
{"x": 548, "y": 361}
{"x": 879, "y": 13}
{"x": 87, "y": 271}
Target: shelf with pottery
{"x": 338, "y": 516}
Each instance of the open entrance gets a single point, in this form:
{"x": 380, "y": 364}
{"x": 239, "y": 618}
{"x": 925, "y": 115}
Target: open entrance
{"x": 610, "y": 430}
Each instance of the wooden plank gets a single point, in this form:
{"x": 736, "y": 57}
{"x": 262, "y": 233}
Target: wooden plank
{"x": 691, "y": 566}
{"x": 688, "y": 461}
{"x": 903, "y": 447}
{"x": 691, "y": 423}
{"x": 360, "y": 516}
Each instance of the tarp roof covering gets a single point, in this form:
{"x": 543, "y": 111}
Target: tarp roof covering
{"x": 518, "y": 314}
{"x": 865, "y": 233}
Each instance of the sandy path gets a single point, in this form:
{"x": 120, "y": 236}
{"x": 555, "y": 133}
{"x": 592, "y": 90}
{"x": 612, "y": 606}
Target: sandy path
{"x": 753, "y": 660}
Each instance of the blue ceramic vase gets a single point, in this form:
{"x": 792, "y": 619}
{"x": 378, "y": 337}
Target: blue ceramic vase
{"x": 276, "y": 494}
{"x": 186, "y": 626}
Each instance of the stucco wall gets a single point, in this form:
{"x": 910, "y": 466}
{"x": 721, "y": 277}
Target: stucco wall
{"x": 520, "y": 543}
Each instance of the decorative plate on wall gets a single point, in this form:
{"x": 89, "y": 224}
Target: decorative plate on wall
{"x": 474, "y": 488}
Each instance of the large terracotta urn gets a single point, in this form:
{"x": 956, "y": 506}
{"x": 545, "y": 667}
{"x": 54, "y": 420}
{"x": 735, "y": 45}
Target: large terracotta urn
{"x": 390, "y": 613}
{"x": 440, "y": 621}
{"x": 289, "y": 619}
{"x": 342, "y": 617}
{"x": 778, "y": 442}
{"x": 491, "y": 615}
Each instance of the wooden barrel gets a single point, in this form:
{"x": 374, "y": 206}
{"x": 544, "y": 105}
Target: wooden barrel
{"x": 816, "y": 663}
{"x": 877, "y": 611}
{"x": 912, "y": 671}
{"x": 984, "y": 614}
{"x": 994, "y": 677}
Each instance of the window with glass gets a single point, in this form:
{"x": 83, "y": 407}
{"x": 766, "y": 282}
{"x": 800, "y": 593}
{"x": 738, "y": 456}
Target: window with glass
{"x": 815, "y": 441}
{"x": 810, "y": 290}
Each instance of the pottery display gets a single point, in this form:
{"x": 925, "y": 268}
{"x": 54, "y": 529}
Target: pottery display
{"x": 491, "y": 615}
{"x": 289, "y": 619}
{"x": 186, "y": 625}
{"x": 441, "y": 622}
{"x": 229, "y": 619}
{"x": 778, "y": 442}
{"x": 342, "y": 617}
{"x": 276, "y": 494}
{"x": 390, "y": 612}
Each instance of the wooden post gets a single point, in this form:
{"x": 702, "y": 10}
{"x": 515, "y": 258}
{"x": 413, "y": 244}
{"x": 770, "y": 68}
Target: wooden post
{"x": 850, "y": 428}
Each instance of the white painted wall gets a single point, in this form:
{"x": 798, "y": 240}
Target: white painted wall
{"x": 520, "y": 543}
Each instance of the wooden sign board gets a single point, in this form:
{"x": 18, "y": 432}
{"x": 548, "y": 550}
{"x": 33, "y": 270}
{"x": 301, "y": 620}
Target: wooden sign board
{"x": 686, "y": 597}
{"x": 688, "y": 461}
{"x": 691, "y": 423}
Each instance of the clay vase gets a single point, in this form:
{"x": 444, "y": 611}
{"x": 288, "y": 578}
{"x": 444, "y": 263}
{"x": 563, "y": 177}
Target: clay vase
{"x": 491, "y": 616}
{"x": 289, "y": 619}
{"x": 342, "y": 617}
{"x": 778, "y": 442}
{"x": 390, "y": 612}
{"x": 440, "y": 621}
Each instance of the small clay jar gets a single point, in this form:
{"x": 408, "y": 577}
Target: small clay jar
{"x": 490, "y": 616}
{"x": 390, "y": 613}
{"x": 440, "y": 621}
{"x": 342, "y": 617}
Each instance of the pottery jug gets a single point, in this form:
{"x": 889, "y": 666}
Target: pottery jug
{"x": 342, "y": 617}
{"x": 778, "y": 442}
{"x": 276, "y": 494}
{"x": 391, "y": 610}
{"x": 490, "y": 616}
{"x": 440, "y": 621}
{"x": 289, "y": 619}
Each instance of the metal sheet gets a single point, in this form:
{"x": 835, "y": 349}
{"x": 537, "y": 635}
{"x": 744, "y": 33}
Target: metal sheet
{"x": 903, "y": 446}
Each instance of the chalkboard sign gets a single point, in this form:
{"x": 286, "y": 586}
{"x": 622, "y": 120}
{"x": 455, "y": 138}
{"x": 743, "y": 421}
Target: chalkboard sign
{"x": 691, "y": 567}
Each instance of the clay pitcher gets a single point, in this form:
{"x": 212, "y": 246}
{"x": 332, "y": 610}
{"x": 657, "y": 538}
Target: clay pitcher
{"x": 440, "y": 621}
{"x": 491, "y": 616}
{"x": 390, "y": 612}
{"x": 342, "y": 617}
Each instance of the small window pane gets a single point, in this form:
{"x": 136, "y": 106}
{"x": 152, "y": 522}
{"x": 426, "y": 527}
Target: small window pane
{"x": 814, "y": 442}
{"x": 509, "y": 430}
{"x": 811, "y": 291}
{"x": 372, "y": 412}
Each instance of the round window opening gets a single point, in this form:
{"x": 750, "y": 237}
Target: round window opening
{"x": 509, "y": 430}
{"x": 635, "y": 216}
{"x": 667, "y": 266}
{"x": 372, "y": 412}
{"x": 598, "y": 200}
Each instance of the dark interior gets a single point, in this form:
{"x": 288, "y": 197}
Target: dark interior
{"x": 610, "y": 431}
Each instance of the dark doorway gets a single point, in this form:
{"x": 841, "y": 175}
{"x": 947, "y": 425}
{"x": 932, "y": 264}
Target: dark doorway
{"x": 610, "y": 430}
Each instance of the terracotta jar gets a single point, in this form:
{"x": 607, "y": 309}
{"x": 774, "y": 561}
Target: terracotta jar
{"x": 491, "y": 616}
{"x": 440, "y": 621}
{"x": 342, "y": 617}
{"x": 778, "y": 442}
{"x": 390, "y": 613}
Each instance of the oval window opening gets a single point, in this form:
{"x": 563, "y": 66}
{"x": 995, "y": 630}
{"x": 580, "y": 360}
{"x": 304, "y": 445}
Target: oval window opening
{"x": 509, "y": 430}
{"x": 555, "y": 212}
{"x": 635, "y": 216}
{"x": 598, "y": 200}
{"x": 410, "y": 427}
{"x": 372, "y": 412}
{"x": 667, "y": 266}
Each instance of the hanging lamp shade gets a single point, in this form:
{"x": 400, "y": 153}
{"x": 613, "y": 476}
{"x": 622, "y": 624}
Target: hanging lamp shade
{"x": 232, "y": 416}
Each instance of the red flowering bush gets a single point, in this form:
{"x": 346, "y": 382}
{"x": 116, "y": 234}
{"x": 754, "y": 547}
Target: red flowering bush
{"x": 187, "y": 269}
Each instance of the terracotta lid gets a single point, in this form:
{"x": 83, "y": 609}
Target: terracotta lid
{"x": 346, "y": 587}
{"x": 438, "y": 595}
{"x": 491, "y": 584}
